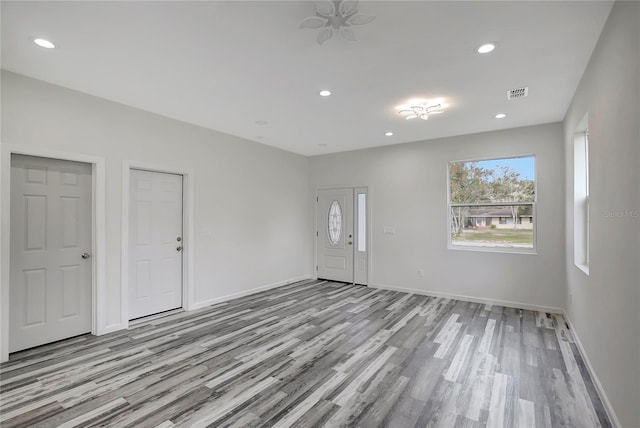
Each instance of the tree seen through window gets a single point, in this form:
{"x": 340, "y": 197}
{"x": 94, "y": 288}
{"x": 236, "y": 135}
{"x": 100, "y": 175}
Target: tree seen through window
{"x": 492, "y": 202}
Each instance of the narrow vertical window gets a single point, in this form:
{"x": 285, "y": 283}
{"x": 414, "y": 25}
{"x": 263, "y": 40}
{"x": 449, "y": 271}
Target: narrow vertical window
{"x": 581, "y": 196}
{"x": 586, "y": 201}
{"x": 362, "y": 222}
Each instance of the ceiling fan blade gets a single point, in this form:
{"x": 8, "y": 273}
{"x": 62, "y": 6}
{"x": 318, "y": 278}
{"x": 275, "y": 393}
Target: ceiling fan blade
{"x": 325, "y": 35}
{"x": 348, "y": 7}
{"x": 326, "y": 8}
{"x": 348, "y": 34}
{"x": 313, "y": 22}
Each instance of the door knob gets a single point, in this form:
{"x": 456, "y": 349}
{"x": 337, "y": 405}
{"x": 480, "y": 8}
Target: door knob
{"x": 179, "y": 248}
{"x": 350, "y": 243}
{"x": 179, "y": 238}
{"x": 85, "y": 255}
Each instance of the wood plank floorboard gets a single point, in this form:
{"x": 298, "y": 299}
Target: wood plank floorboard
{"x": 311, "y": 354}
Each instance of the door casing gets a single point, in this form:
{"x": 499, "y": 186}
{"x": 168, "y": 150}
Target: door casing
{"x": 58, "y": 259}
{"x": 98, "y": 231}
{"x": 164, "y": 287}
{"x": 369, "y": 254}
{"x": 187, "y": 232}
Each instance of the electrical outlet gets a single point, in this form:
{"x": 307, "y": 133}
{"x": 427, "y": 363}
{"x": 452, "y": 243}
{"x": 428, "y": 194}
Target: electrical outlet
{"x": 420, "y": 273}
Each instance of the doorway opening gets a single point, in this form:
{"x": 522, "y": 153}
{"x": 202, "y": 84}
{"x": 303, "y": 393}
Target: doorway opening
{"x": 51, "y": 285}
{"x": 157, "y": 225}
{"x": 155, "y": 242}
{"x": 342, "y": 244}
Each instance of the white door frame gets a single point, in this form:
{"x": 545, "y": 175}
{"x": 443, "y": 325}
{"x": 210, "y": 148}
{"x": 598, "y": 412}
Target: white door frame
{"x": 369, "y": 228}
{"x": 98, "y": 235}
{"x": 187, "y": 232}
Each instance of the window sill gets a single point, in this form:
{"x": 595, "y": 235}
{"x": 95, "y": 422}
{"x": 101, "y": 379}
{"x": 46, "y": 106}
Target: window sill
{"x": 583, "y": 267}
{"x": 502, "y": 250}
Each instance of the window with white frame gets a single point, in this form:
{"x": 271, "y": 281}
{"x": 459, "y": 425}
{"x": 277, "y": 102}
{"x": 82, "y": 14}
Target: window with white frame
{"x": 581, "y": 196}
{"x": 492, "y": 204}
{"x": 362, "y": 222}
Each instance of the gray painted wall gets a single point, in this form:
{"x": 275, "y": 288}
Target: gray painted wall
{"x": 252, "y": 214}
{"x": 408, "y": 191}
{"x": 604, "y": 307}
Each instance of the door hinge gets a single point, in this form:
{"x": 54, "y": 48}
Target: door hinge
{"x": 317, "y": 199}
{"x": 316, "y": 267}
{"x": 316, "y": 233}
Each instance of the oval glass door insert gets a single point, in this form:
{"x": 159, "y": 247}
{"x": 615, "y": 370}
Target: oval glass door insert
{"x": 335, "y": 223}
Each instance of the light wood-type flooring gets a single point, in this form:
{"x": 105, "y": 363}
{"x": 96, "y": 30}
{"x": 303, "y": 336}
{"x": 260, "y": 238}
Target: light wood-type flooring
{"x": 314, "y": 353}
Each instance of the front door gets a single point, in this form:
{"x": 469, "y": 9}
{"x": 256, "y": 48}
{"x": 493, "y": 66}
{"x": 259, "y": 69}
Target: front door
{"x": 155, "y": 243}
{"x": 51, "y": 269}
{"x": 335, "y": 234}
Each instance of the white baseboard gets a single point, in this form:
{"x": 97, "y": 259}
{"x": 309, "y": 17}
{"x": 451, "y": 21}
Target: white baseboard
{"x": 204, "y": 303}
{"x": 599, "y": 389}
{"x": 474, "y": 299}
{"x": 109, "y": 329}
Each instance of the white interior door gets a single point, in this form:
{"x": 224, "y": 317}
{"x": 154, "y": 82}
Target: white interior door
{"x": 51, "y": 269}
{"x": 335, "y": 234}
{"x": 155, "y": 243}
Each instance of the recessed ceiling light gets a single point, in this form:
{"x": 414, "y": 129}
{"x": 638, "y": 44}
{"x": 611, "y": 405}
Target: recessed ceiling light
{"x": 261, "y": 122}
{"x": 44, "y": 43}
{"x": 325, "y": 93}
{"x": 501, "y": 115}
{"x": 486, "y": 48}
{"x": 388, "y": 134}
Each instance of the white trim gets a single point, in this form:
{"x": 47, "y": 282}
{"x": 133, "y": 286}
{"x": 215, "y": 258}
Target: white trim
{"x": 356, "y": 231}
{"x": 187, "y": 233}
{"x": 599, "y": 389}
{"x": 100, "y": 247}
{"x": 111, "y": 328}
{"x": 370, "y": 238}
{"x": 503, "y": 250}
{"x": 580, "y": 196}
{"x": 367, "y": 190}
{"x": 489, "y": 158}
{"x": 533, "y": 203}
{"x": 98, "y": 238}
{"x": 491, "y": 204}
{"x": 583, "y": 267}
{"x": 474, "y": 299}
{"x": 215, "y": 300}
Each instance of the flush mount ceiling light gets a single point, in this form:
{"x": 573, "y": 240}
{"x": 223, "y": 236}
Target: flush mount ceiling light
{"x": 500, "y": 115}
{"x": 43, "y": 43}
{"x": 336, "y": 16}
{"x": 486, "y": 48}
{"x": 421, "y": 111}
{"x": 325, "y": 93}
{"x": 388, "y": 134}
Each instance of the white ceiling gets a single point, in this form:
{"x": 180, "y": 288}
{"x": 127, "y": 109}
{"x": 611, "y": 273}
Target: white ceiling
{"x": 226, "y": 65}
